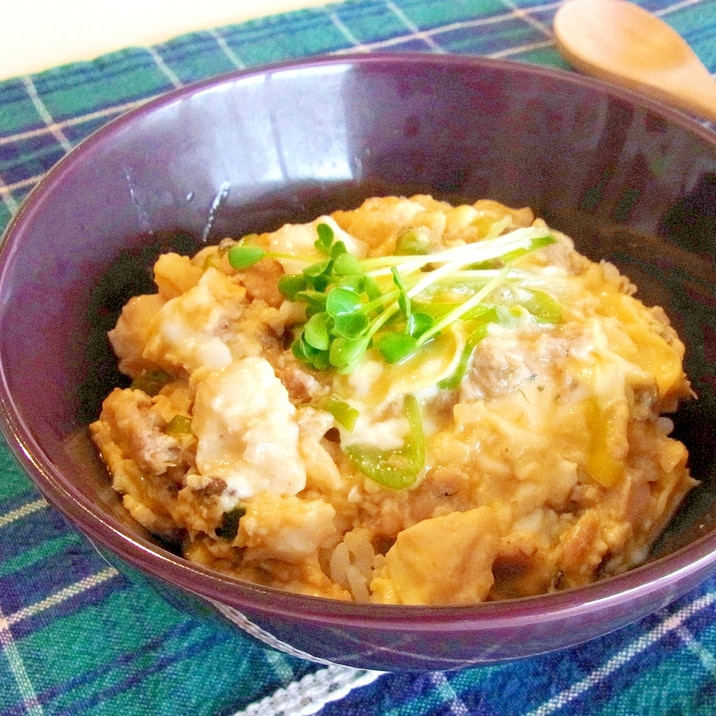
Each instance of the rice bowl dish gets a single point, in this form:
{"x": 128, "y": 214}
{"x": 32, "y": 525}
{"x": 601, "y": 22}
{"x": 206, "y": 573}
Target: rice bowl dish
{"x": 627, "y": 179}
{"x": 405, "y": 403}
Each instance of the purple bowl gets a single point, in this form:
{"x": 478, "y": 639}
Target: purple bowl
{"x": 630, "y": 180}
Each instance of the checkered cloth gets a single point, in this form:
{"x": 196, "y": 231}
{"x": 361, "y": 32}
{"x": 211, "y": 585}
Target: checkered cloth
{"x": 79, "y": 637}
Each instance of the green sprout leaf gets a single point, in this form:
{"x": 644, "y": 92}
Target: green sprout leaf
{"x": 395, "y": 347}
{"x": 317, "y": 333}
{"x": 325, "y": 238}
{"x": 243, "y": 256}
{"x": 291, "y": 285}
{"x": 345, "y": 354}
{"x": 419, "y": 323}
{"x": 351, "y": 325}
{"x": 397, "y": 304}
{"x": 403, "y": 298}
{"x": 345, "y": 264}
{"x": 342, "y": 301}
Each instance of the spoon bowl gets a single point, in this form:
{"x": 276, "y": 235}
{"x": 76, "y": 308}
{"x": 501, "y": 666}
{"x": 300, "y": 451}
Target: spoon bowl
{"x": 623, "y": 43}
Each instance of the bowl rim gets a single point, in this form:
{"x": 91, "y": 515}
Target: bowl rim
{"x": 154, "y": 103}
{"x": 689, "y": 564}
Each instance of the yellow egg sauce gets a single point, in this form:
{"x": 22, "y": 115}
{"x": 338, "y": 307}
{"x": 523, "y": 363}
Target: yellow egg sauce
{"x": 408, "y": 403}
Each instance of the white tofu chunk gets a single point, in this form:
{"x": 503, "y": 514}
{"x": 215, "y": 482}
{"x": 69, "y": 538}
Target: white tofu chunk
{"x": 246, "y": 430}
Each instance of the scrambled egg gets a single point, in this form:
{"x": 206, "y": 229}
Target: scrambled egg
{"x": 546, "y": 466}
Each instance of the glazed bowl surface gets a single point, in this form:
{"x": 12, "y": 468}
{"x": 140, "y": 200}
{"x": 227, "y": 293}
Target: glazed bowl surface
{"x": 630, "y": 180}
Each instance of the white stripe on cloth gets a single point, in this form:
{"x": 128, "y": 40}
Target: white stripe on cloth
{"x": 526, "y": 16}
{"x": 8, "y": 644}
{"x": 105, "y": 113}
{"x": 675, "y": 7}
{"x": 431, "y": 36}
{"x": 224, "y": 46}
{"x": 443, "y": 686}
{"x": 45, "y": 116}
{"x": 356, "y": 44}
{"x": 24, "y": 511}
{"x": 164, "y": 68}
{"x": 693, "y": 644}
{"x": 84, "y": 585}
{"x": 24, "y": 685}
{"x": 415, "y": 31}
{"x": 8, "y": 199}
{"x": 670, "y": 624}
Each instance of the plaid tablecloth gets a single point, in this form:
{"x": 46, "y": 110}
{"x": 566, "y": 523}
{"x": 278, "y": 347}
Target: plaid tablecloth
{"x": 78, "y": 637}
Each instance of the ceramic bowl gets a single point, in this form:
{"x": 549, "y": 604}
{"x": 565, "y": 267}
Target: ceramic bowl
{"x": 629, "y": 179}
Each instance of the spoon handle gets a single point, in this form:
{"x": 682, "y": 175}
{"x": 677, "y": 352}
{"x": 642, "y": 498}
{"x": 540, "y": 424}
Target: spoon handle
{"x": 623, "y": 43}
{"x": 689, "y": 87}
{"x": 694, "y": 92}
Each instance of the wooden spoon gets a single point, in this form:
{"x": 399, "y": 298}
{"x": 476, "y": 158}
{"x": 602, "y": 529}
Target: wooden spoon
{"x": 625, "y": 44}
